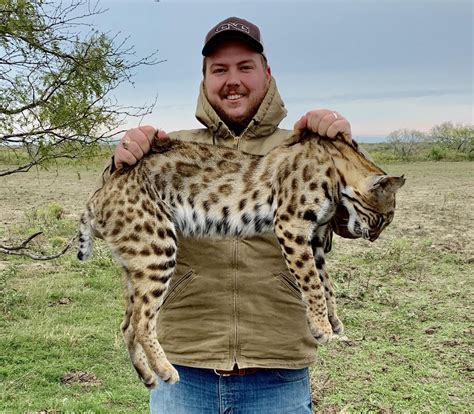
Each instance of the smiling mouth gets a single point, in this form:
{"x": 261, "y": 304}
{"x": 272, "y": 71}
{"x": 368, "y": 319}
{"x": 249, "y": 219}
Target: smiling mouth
{"x": 234, "y": 97}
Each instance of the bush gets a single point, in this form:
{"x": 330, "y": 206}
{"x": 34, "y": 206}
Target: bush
{"x": 437, "y": 153}
{"x": 46, "y": 215}
{"x": 456, "y": 137}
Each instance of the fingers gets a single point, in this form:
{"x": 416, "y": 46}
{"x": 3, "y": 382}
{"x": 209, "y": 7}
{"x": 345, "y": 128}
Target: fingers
{"x": 160, "y": 134}
{"x": 326, "y": 123}
{"x": 136, "y": 148}
{"x": 301, "y": 123}
{"x": 340, "y": 128}
{"x": 123, "y": 158}
{"x": 133, "y": 146}
{"x": 326, "y": 120}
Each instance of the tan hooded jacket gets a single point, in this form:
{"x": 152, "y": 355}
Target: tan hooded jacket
{"x": 233, "y": 301}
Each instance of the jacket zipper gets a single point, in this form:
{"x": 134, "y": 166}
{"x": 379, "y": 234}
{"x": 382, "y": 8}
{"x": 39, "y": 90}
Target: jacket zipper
{"x": 237, "y": 138}
{"x": 235, "y": 255}
{"x": 237, "y": 141}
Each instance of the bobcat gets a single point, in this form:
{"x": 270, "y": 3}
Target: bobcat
{"x": 301, "y": 190}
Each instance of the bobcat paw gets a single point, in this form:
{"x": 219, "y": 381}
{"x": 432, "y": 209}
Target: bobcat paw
{"x": 169, "y": 374}
{"x": 322, "y": 332}
{"x": 337, "y": 326}
{"x": 150, "y": 383}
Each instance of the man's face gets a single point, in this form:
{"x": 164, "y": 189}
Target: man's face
{"x": 235, "y": 82}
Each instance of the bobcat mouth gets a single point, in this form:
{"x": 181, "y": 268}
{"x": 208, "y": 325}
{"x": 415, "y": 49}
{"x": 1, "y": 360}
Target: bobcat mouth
{"x": 362, "y": 231}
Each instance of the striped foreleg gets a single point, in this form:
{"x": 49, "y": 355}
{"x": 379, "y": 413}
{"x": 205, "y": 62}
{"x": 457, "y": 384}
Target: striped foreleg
{"x": 317, "y": 245}
{"x": 299, "y": 258}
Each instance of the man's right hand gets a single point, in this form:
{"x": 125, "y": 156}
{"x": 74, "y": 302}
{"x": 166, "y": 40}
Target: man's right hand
{"x": 135, "y": 144}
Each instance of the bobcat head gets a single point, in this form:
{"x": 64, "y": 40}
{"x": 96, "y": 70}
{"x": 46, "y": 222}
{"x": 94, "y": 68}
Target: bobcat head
{"x": 367, "y": 210}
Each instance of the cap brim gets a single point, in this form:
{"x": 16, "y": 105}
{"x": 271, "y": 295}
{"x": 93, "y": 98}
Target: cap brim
{"x": 211, "y": 45}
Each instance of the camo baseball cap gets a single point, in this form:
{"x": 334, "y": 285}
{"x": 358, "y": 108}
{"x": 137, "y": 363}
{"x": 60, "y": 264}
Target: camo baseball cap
{"x": 233, "y": 28}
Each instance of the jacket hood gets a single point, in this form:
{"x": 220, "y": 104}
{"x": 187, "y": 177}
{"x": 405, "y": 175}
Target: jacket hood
{"x": 270, "y": 113}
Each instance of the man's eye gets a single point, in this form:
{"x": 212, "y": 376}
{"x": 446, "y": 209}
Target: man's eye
{"x": 218, "y": 70}
{"x": 246, "y": 68}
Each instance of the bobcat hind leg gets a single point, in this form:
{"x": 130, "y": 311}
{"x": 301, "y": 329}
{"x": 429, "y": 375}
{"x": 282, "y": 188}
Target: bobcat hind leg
{"x": 135, "y": 350}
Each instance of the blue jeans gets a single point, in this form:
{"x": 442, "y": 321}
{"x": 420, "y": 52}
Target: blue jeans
{"x": 200, "y": 391}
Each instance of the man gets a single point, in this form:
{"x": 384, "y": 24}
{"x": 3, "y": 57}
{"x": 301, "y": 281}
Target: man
{"x": 233, "y": 322}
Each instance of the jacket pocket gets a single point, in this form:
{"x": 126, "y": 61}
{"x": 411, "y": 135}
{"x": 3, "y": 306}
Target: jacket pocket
{"x": 289, "y": 283}
{"x": 177, "y": 287}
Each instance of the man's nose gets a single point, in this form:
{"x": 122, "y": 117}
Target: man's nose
{"x": 233, "y": 78}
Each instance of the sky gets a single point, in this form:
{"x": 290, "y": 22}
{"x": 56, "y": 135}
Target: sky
{"x": 383, "y": 64}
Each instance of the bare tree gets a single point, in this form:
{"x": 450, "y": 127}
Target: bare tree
{"x": 57, "y": 75}
{"x": 405, "y": 142}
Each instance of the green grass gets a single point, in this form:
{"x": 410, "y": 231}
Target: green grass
{"x": 384, "y": 153}
{"x": 63, "y": 317}
{"x": 406, "y": 313}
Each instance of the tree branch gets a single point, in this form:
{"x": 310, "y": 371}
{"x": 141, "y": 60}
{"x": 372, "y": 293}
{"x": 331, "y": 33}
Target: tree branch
{"x": 18, "y": 250}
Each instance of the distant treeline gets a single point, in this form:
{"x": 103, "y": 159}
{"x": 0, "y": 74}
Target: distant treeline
{"x": 447, "y": 141}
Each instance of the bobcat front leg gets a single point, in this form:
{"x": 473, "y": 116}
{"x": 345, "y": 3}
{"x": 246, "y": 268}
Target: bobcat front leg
{"x": 317, "y": 245}
{"x": 296, "y": 247}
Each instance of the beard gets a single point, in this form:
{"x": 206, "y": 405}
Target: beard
{"x": 238, "y": 123}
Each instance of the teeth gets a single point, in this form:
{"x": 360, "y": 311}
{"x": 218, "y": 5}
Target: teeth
{"x": 233, "y": 97}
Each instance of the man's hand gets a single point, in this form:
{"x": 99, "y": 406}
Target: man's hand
{"x": 325, "y": 123}
{"x": 135, "y": 144}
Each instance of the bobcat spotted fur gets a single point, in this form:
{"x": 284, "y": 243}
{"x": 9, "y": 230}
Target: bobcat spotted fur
{"x": 301, "y": 190}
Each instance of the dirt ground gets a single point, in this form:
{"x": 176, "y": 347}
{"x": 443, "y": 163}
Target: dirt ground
{"x": 67, "y": 186}
{"x": 436, "y": 202}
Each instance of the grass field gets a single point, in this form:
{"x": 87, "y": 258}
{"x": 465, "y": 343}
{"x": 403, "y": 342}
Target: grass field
{"x": 406, "y": 302}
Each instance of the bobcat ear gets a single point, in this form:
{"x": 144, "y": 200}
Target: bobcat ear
{"x": 387, "y": 182}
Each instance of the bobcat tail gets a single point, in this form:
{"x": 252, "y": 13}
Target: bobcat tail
{"x": 86, "y": 236}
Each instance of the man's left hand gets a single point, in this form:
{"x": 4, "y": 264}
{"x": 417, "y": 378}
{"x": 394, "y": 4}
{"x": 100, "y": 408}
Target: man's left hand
{"x": 325, "y": 123}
